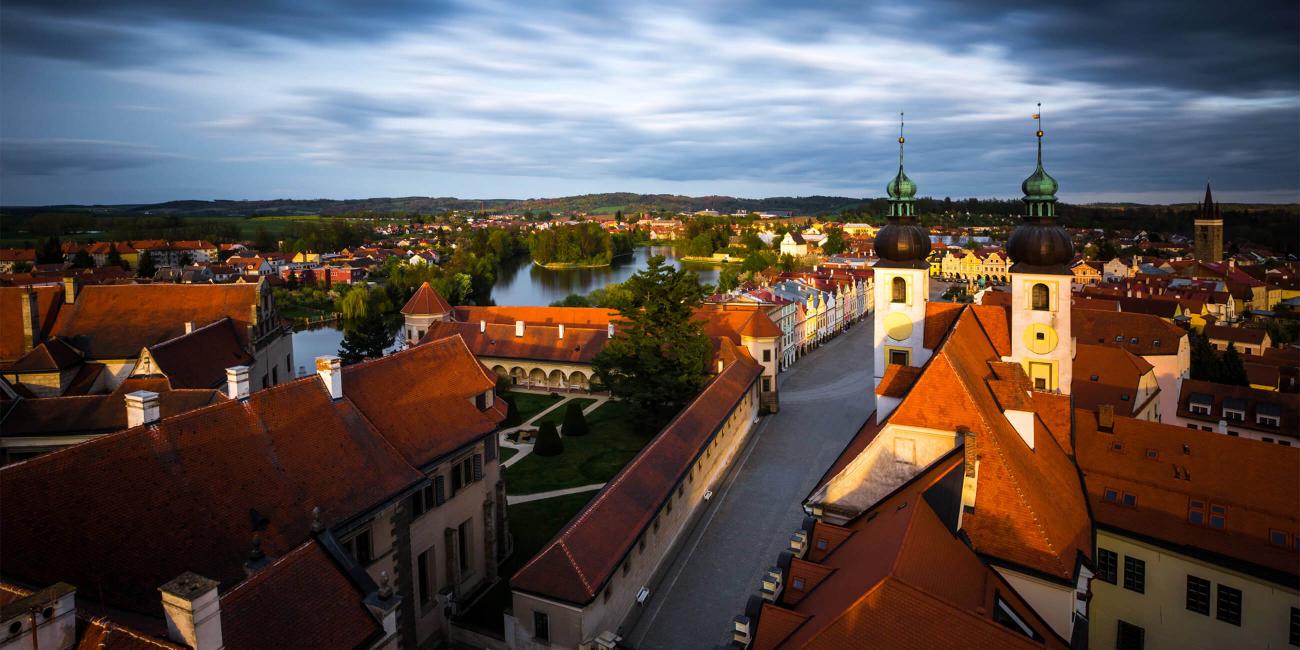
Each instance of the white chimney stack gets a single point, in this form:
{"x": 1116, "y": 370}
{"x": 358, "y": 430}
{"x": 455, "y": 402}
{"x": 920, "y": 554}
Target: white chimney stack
{"x": 519, "y": 328}
{"x": 482, "y": 326}
{"x": 141, "y": 408}
{"x": 610, "y": 330}
{"x": 189, "y": 326}
{"x": 193, "y": 611}
{"x": 561, "y": 330}
{"x": 237, "y": 382}
{"x": 330, "y": 369}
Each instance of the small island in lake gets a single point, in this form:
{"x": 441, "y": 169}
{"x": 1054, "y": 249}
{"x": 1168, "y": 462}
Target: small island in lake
{"x": 584, "y": 245}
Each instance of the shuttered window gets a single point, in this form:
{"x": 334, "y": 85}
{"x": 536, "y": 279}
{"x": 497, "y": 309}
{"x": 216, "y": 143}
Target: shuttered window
{"x": 478, "y": 467}
{"x": 439, "y": 490}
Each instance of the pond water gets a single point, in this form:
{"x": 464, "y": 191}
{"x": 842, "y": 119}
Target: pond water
{"x": 518, "y": 283}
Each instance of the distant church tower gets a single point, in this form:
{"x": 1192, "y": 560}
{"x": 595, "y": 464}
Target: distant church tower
{"x": 902, "y": 278}
{"x": 1041, "y": 252}
{"x": 1209, "y": 230}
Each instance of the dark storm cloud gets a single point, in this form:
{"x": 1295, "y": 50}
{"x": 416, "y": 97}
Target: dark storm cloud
{"x": 46, "y": 157}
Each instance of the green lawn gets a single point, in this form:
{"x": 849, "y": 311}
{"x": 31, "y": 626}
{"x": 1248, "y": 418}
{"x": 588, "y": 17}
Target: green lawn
{"x": 507, "y": 452}
{"x": 557, "y": 416}
{"x": 532, "y": 525}
{"x": 530, "y": 404}
{"x": 593, "y": 458}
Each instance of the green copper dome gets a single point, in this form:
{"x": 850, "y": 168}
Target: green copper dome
{"x": 1040, "y": 186}
{"x": 901, "y": 187}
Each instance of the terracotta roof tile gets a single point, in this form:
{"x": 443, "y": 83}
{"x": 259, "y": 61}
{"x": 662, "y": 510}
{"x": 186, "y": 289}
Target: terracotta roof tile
{"x": 426, "y": 301}
{"x": 1252, "y": 401}
{"x": 895, "y": 571}
{"x": 1141, "y": 334}
{"x": 50, "y": 356}
{"x": 939, "y": 317}
{"x": 48, "y": 301}
{"x": 1118, "y": 375}
{"x": 199, "y": 359}
{"x": 117, "y": 321}
{"x": 1193, "y": 465}
{"x": 97, "y": 414}
{"x": 302, "y": 600}
{"x": 539, "y": 342}
{"x": 1249, "y": 335}
{"x": 898, "y": 380}
{"x": 579, "y": 560}
{"x": 103, "y": 634}
{"x": 571, "y": 317}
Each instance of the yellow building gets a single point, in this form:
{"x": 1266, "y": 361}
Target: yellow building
{"x": 1189, "y": 555}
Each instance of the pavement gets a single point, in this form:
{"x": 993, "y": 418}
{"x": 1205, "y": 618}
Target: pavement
{"x": 825, "y": 399}
{"x": 538, "y": 496}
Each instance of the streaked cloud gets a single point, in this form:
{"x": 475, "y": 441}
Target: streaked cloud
{"x": 741, "y": 98}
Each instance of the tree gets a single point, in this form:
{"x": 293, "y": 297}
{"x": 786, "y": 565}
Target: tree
{"x": 186, "y": 259}
{"x": 1106, "y": 250}
{"x": 575, "y": 423}
{"x": 729, "y": 278}
{"x": 512, "y": 411}
{"x": 355, "y": 304}
{"x": 82, "y": 260}
{"x": 366, "y": 339}
{"x": 50, "y": 252}
{"x": 752, "y": 241}
{"x": 1232, "y": 370}
{"x": 548, "y": 441}
{"x": 114, "y": 257}
{"x": 658, "y": 357}
{"x": 834, "y": 242}
{"x": 700, "y": 246}
{"x": 146, "y": 268}
{"x": 786, "y": 262}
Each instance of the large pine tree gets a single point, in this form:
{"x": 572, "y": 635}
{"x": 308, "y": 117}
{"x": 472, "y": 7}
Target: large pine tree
{"x": 658, "y": 358}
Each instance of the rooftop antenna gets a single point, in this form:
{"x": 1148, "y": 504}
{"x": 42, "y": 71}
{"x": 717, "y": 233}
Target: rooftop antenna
{"x": 1039, "y": 116}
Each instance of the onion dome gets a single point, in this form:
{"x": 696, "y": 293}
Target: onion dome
{"x": 1040, "y": 244}
{"x": 902, "y": 242}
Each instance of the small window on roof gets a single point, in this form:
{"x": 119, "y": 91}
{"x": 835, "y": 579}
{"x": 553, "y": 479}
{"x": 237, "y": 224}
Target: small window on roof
{"x": 821, "y": 543}
{"x": 1155, "y": 343}
{"x": 1277, "y": 538}
{"x": 1133, "y": 340}
{"x": 1119, "y": 339}
{"x": 797, "y": 583}
{"x": 1094, "y": 377}
{"x": 1117, "y": 446}
{"x": 1110, "y": 495}
{"x": 1130, "y": 500}
{"x": 1153, "y": 454}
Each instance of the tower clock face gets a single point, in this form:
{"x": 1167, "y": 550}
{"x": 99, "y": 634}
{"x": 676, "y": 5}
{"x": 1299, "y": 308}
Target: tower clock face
{"x": 898, "y": 326}
{"x": 1040, "y": 338}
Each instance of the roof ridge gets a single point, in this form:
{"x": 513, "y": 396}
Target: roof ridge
{"x": 574, "y": 563}
{"x": 193, "y": 331}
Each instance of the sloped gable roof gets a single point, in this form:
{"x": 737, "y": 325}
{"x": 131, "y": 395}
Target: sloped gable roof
{"x": 117, "y": 321}
{"x": 199, "y": 359}
{"x": 426, "y": 301}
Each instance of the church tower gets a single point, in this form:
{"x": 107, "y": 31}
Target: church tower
{"x": 1209, "y": 230}
{"x": 1041, "y": 252}
{"x": 902, "y": 277}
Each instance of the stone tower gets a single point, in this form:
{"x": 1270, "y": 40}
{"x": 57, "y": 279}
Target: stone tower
{"x": 1041, "y": 252}
{"x": 1209, "y": 230}
{"x": 902, "y": 278}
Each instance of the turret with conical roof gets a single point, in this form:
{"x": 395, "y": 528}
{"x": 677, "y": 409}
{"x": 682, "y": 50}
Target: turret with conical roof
{"x": 902, "y": 242}
{"x": 1040, "y": 244}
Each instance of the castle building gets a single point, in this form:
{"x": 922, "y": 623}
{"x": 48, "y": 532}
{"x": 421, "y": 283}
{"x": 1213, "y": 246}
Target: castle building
{"x": 1209, "y": 229}
{"x": 1041, "y": 252}
{"x": 902, "y": 282}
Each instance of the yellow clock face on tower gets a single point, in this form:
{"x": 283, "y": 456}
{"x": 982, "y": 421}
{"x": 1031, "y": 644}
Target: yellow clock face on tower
{"x": 1040, "y": 338}
{"x": 898, "y": 326}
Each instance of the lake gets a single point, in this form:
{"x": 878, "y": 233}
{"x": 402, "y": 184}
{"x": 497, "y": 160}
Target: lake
{"x": 519, "y": 282}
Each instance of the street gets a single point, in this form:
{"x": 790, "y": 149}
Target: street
{"x": 825, "y": 398}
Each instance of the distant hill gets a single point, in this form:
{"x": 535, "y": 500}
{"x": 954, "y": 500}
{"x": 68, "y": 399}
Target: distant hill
{"x": 607, "y": 203}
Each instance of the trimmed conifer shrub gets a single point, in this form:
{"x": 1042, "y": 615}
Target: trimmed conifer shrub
{"x": 575, "y": 423}
{"x": 548, "y": 441}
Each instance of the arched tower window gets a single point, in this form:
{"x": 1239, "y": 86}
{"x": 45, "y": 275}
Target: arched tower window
{"x": 899, "y": 289}
{"x": 1040, "y": 297}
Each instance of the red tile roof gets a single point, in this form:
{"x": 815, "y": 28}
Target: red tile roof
{"x": 1118, "y": 374}
{"x": 427, "y": 302}
{"x": 302, "y": 600}
{"x": 96, "y": 414}
{"x": 575, "y": 565}
{"x": 51, "y": 355}
{"x": 736, "y": 321}
{"x": 187, "y": 484}
{"x": 103, "y": 634}
{"x": 539, "y": 342}
{"x": 888, "y": 575}
{"x": 939, "y": 317}
{"x": 117, "y": 321}
{"x": 1247, "y": 477}
{"x": 18, "y": 255}
{"x": 1252, "y": 401}
{"x": 571, "y": 317}
{"x": 1030, "y": 509}
{"x": 48, "y": 300}
{"x": 898, "y": 380}
{"x": 1248, "y": 335}
{"x": 1141, "y": 334}
{"x": 199, "y": 359}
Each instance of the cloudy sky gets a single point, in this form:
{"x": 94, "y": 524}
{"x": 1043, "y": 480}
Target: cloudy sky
{"x": 151, "y": 100}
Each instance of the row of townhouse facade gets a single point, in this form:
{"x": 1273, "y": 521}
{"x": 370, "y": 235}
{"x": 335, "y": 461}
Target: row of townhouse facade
{"x": 822, "y": 308}
{"x": 988, "y": 264}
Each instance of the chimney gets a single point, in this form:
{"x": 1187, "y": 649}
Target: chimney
{"x": 1106, "y": 418}
{"x": 561, "y": 331}
{"x": 193, "y": 611}
{"x": 141, "y": 408}
{"x": 45, "y": 619}
{"x": 482, "y": 326}
{"x": 237, "y": 382}
{"x": 519, "y": 328}
{"x": 610, "y": 330}
{"x": 31, "y": 321}
{"x": 69, "y": 290}
{"x": 970, "y": 469}
{"x": 189, "y": 326}
{"x": 330, "y": 369}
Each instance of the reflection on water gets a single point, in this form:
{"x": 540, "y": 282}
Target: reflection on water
{"x": 522, "y": 283}
{"x": 518, "y": 283}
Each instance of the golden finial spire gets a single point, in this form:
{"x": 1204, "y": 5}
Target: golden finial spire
{"x": 900, "y": 139}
